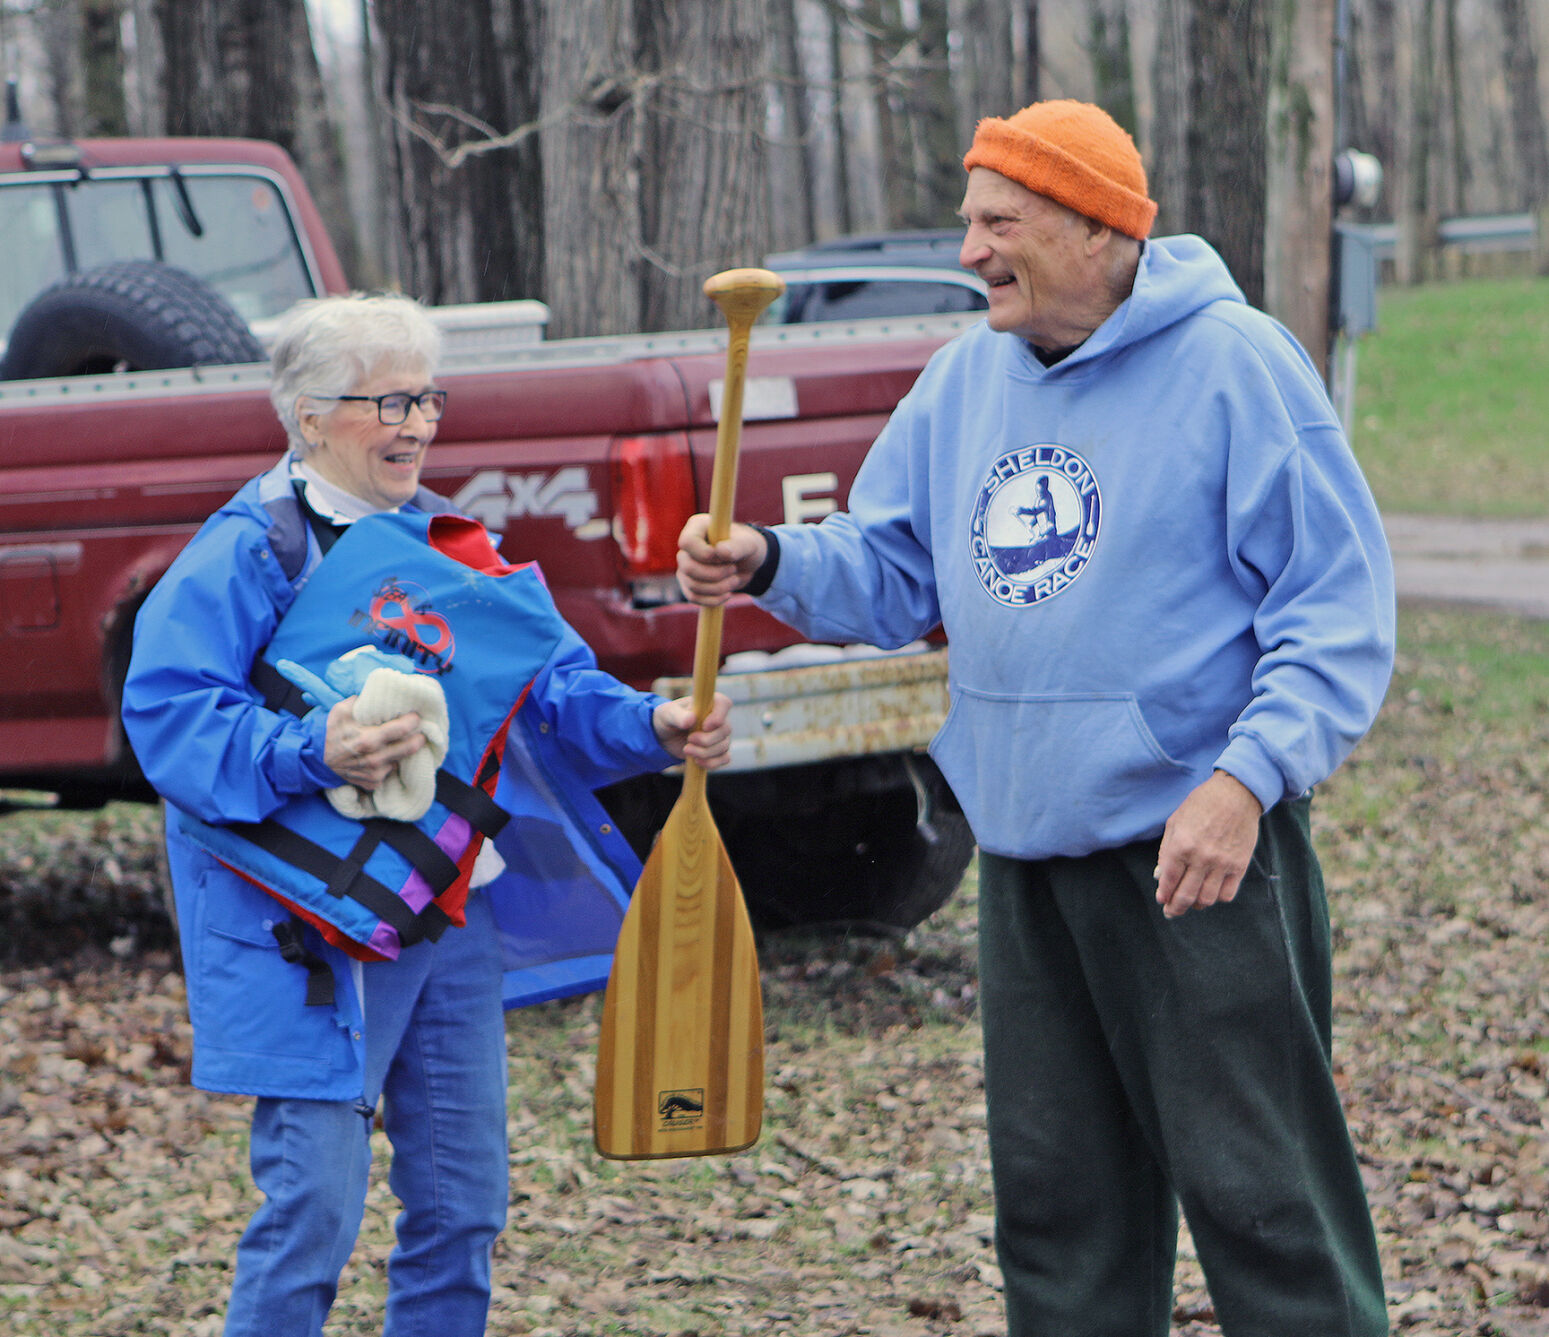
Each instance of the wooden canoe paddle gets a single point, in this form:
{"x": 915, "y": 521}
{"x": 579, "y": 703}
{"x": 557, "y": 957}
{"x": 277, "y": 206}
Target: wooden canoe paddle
{"x": 680, "y": 1060}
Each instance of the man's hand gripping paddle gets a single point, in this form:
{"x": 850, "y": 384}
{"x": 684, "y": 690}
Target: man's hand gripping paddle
{"x": 680, "y": 1061}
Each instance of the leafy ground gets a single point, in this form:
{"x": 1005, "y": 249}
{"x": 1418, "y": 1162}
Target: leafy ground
{"x": 865, "y": 1207}
{"x": 1451, "y": 398}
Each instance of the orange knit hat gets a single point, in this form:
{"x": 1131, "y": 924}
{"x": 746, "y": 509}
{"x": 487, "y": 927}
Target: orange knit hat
{"x": 1072, "y": 152}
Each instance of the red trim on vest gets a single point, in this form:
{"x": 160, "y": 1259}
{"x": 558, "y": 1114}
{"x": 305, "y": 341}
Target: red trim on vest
{"x": 468, "y": 542}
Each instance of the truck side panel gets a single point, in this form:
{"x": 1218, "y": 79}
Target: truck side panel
{"x": 105, "y": 480}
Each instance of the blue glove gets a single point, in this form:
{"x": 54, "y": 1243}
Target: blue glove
{"x": 344, "y": 677}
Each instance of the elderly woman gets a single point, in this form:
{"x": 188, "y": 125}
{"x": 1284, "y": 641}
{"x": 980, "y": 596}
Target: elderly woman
{"x": 292, "y": 1001}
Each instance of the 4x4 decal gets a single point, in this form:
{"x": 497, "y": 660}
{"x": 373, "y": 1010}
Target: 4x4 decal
{"x": 494, "y": 498}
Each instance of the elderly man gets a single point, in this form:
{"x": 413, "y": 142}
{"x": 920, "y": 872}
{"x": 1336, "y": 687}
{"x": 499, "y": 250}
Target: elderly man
{"x": 1170, "y": 608}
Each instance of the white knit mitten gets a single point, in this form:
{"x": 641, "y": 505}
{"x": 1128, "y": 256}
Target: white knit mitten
{"x": 407, "y": 793}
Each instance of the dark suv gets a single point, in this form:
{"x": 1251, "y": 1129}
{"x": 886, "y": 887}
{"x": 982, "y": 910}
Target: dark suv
{"x": 882, "y": 274}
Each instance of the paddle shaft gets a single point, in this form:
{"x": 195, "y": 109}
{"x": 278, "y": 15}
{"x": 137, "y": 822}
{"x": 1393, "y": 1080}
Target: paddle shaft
{"x": 741, "y": 294}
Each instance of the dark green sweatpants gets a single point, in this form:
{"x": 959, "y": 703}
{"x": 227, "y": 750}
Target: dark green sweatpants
{"x": 1133, "y": 1063}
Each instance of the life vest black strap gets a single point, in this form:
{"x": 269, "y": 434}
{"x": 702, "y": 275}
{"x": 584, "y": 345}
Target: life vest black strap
{"x": 347, "y": 876}
{"x": 468, "y": 801}
{"x": 289, "y": 934}
{"x": 433, "y": 863}
{"x": 279, "y": 693}
{"x": 326, "y": 532}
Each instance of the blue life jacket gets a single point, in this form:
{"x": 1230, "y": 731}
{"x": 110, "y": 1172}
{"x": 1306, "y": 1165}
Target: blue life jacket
{"x": 433, "y": 589}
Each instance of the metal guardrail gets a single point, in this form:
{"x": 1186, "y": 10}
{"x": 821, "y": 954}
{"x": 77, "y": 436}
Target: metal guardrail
{"x": 1479, "y": 235}
{"x": 1362, "y": 247}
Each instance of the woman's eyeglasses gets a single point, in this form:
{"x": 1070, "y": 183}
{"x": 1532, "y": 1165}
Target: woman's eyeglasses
{"x": 393, "y": 409}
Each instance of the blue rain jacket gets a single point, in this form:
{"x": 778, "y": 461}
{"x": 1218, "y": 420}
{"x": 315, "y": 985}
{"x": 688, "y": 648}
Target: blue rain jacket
{"x": 213, "y": 751}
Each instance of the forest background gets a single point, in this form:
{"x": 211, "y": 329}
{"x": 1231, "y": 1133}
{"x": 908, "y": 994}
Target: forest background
{"x": 605, "y": 156}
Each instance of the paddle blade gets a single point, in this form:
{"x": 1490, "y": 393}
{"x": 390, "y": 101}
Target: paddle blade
{"x": 680, "y": 1061}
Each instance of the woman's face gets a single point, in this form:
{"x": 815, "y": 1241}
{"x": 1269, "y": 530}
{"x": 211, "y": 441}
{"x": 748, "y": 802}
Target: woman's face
{"x": 353, "y": 450}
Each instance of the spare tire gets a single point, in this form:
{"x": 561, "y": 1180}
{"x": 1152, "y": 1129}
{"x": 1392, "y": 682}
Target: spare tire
{"x": 126, "y": 315}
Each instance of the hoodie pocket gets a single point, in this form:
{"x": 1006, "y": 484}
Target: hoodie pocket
{"x": 1057, "y": 773}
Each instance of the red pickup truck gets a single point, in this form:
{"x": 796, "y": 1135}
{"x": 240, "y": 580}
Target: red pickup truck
{"x": 584, "y": 454}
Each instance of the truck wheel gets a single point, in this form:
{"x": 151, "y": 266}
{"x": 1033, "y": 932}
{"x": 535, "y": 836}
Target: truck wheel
{"x": 871, "y": 844}
{"x": 126, "y": 315}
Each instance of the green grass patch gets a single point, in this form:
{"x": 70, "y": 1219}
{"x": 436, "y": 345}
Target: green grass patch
{"x": 1451, "y": 398}
{"x": 1477, "y": 665}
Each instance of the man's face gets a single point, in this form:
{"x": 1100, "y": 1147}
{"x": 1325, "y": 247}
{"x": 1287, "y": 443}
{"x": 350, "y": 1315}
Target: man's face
{"x": 1038, "y": 259}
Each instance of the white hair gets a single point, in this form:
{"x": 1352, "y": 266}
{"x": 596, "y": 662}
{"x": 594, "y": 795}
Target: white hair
{"x": 327, "y": 346}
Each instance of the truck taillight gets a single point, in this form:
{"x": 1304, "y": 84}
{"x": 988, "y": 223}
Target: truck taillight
{"x": 653, "y": 496}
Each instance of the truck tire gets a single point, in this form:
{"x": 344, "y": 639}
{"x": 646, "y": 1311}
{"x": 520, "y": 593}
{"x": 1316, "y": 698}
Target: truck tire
{"x": 869, "y": 844}
{"x": 126, "y": 315}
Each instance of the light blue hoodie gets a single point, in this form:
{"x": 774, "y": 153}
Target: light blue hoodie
{"x": 1155, "y": 558}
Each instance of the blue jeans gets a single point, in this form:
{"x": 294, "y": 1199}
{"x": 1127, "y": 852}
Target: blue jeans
{"x": 436, "y": 1057}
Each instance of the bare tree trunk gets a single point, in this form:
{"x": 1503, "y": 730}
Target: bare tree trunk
{"x": 1225, "y": 169}
{"x": 1299, "y": 202}
{"x": 702, "y": 202}
{"x": 653, "y": 158}
{"x": 145, "y": 73}
{"x": 1371, "y": 67}
{"x": 315, "y": 143}
{"x": 446, "y": 78}
{"x": 380, "y": 213}
{"x": 1458, "y": 158}
{"x": 59, "y": 34}
{"x": 591, "y": 168}
{"x": 988, "y": 86}
{"x": 1032, "y": 60}
{"x": 1527, "y": 109}
{"x": 227, "y": 68}
{"x": 839, "y": 132}
{"x": 1166, "y": 174}
{"x": 102, "y": 68}
{"x": 883, "y": 41}
{"x": 247, "y": 67}
{"x": 792, "y": 173}
{"x": 523, "y": 38}
{"x": 265, "y": 39}
{"x": 938, "y": 149}
{"x": 1108, "y": 41}
{"x": 1415, "y": 257}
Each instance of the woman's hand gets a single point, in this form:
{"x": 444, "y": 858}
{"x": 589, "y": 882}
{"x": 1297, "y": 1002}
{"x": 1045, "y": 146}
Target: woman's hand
{"x": 364, "y": 754}
{"x": 709, "y": 744}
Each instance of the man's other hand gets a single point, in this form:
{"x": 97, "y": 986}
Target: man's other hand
{"x": 1207, "y": 846}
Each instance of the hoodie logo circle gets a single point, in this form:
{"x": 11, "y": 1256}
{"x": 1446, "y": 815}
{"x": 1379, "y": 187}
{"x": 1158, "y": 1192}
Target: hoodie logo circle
{"x": 1035, "y": 524}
